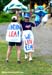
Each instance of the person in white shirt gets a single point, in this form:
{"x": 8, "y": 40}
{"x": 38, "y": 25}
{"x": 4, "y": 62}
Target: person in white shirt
{"x": 14, "y": 38}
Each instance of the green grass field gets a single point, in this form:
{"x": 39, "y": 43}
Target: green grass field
{"x": 39, "y": 66}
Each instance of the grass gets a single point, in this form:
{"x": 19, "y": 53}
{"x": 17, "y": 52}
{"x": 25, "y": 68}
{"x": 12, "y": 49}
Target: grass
{"x": 38, "y": 67}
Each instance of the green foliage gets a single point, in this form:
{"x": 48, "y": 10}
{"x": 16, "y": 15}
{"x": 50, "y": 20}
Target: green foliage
{"x": 25, "y": 2}
{"x": 5, "y": 17}
{"x": 1, "y": 6}
{"x": 5, "y": 2}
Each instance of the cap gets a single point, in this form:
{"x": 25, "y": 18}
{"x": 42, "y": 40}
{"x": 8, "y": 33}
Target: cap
{"x": 14, "y": 17}
{"x": 27, "y": 15}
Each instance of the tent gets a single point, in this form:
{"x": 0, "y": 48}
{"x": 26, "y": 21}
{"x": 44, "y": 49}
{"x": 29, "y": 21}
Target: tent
{"x": 16, "y": 7}
{"x": 14, "y": 4}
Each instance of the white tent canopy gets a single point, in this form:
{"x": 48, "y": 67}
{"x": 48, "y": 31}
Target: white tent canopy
{"x": 14, "y": 4}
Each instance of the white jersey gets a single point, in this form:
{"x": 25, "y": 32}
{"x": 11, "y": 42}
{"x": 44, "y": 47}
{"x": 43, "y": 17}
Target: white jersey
{"x": 14, "y": 32}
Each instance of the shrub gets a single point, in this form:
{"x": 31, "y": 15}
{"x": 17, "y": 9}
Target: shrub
{"x": 5, "y": 17}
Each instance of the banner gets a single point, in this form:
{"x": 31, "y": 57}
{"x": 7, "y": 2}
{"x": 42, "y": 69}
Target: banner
{"x": 14, "y": 33}
{"x": 28, "y": 40}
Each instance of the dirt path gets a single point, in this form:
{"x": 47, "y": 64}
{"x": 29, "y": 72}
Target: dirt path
{"x": 43, "y": 39}
{"x": 3, "y": 28}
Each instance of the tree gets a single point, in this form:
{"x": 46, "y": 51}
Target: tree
{"x": 5, "y": 2}
{"x": 1, "y": 6}
{"x": 25, "y": 2}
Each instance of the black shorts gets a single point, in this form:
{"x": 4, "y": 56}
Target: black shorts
{"x": 15, "y": 43}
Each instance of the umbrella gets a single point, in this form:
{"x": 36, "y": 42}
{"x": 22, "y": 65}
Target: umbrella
{"x": 14, "y": 4}
{"x": 24, "y": 7}
{"x": 15, "y": 7}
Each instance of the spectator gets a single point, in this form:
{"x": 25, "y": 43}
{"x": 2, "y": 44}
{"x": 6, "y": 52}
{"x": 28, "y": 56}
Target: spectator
{"x": 28, "y": 38}
{"x": 14, "y": 38}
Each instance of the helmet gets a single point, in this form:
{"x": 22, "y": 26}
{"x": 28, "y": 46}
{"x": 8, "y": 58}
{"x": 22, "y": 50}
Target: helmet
{"x": 27, "y": 15}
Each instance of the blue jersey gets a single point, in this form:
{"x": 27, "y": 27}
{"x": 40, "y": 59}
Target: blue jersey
{"x": 27, "y": 25}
